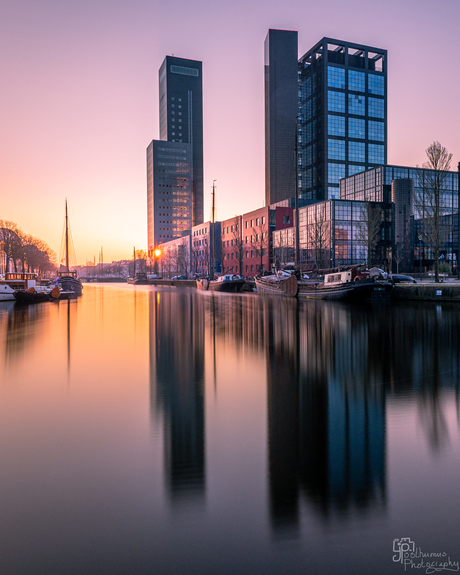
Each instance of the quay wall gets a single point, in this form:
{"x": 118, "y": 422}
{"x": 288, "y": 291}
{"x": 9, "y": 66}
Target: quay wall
{"x": 428, "y": 291}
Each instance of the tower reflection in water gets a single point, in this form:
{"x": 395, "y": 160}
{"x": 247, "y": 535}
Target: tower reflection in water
{"x": 330, "y": 368}
{"x": 326, "y": 414}
{"x": 176, "y": 327}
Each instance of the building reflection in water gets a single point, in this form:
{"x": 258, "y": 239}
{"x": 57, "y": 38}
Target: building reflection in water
{"x": 330, "y": 369}
{"x": 176, "y": 328}
{"x": 326, "y": 416}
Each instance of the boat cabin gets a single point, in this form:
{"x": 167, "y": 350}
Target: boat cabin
{"x": 338, "y": 278}
{"x": 20, "y": 281}
{"x": 62, "y": 274}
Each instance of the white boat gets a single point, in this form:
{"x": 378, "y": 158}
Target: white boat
{"x": 6, "y": 292}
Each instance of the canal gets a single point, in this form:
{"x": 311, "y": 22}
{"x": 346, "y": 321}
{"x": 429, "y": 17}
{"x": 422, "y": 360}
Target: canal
{"x": 155, "y": 431}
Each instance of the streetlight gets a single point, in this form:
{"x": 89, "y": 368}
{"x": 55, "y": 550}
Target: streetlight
{"x": 420, "y": 254}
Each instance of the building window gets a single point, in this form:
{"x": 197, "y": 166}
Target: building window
{"x": 356, "y": 152}
{"x": 356, "y": 81}
{"x": 336, "y": 77}
{"x": 376, "y": 85}
{"x": 336, "y": 101}
{"x": 286, "y": 219}
{"x": 336, "y": 172}
{"x": 352, "y": 170}
{"x": 336, "y": 126}
{"x": 376, "y": 108}
{"x": 376, "y": 154}
{"x": 376, "y": 131}
{"x": 356, "y": 104}
{"x": 336, "y": 149}
{"x": 263, "y": 220}
{"x": 356, "y": 128}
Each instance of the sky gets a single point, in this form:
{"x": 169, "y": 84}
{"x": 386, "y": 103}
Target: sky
{"x": 79, "y": 100}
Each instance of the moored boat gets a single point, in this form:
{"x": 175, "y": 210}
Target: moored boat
{"x": 280, "y": 283}
{"x": 350, "y": 284}
{"x": 67, "y": 280}
{"x": 224, "y": 283}
{"x": 6, "y": 292}
{"x": 139, "y": 279}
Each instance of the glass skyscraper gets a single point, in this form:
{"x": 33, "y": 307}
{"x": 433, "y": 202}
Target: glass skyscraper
{"x": 342, "y": 120}
{"x": 181, "y": 118}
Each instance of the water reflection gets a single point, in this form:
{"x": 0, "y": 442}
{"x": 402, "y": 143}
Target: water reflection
{"x": 307, "y": 420}
{"x": 176, "y": 327}
{"x": 329, "y": 369}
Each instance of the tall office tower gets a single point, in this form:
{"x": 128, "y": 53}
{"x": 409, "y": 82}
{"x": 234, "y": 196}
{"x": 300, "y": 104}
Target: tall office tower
{"x": 281, "y": 109}
{"x": 181, "y": 117}
{"x": 169, "y": 191}
{"x": 343, "y": 115}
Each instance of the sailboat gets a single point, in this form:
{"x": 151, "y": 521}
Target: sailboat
{"x": 67, "y": 279}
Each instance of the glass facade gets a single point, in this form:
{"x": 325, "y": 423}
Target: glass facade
{"x": 341, "y": 86}
{"x": 335, "y": 232}
{"x": 375, "y": 185}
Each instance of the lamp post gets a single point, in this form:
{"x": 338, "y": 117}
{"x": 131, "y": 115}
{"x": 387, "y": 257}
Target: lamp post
{"x": 420, "y": 254}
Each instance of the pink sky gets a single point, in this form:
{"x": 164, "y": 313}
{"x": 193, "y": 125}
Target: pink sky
{"x": 79, "y": 100}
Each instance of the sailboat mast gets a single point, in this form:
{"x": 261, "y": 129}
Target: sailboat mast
{"x": 66, "y": 237}
{"x": 134, "y": 258}
{"x": 213, "y": 220}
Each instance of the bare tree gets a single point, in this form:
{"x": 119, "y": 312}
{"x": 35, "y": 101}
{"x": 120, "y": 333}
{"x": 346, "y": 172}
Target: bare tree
{"x": 238, "y": 242}
{"x": 369, "y": 229}
{"x": 398, "y": 256}
{"x": 10, "y": 242}
{"x": 431, "y": 183}
{"x": 260, "y": 243}
{"x": 319, "y": 238}
{"x": 182, "y": 258}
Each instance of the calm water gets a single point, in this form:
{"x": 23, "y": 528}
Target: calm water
{"x": 163, "y": 431}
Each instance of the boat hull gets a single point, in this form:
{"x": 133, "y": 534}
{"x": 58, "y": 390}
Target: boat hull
{"x": 70, "y": 284}
{"x": 285, "y": 287}
{"x": 227, "y": 286}
{"x": 6, "y": 292}
{"x": 28, "y": 297}
{"x": 352, "y": 291}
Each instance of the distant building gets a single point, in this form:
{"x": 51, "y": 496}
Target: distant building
{"x": 169, "y": 192}
{"x": 343, "y": 115}
{"x": 181, "y": 118}
{"x": 281, "y": 109}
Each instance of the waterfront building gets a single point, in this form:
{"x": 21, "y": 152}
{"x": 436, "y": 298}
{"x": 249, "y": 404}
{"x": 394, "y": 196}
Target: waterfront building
{"x": 339, "y": 232}
{"x": 206, "y": 248}
{"x": 232, "y": 245}
{"x": 342, "y": 115}
{"x": 175, "y": 257}
{"x": 257, "y": 230}
{"x": 281, "y": 105}
{"x": 409, "y": 192}
{"x": 181, "y": 117}
{"x": 169, "y": 192}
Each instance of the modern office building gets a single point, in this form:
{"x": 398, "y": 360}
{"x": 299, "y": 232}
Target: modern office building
{"x": 410, "y": 192}
{"x": 181, "y": 118}
{"x": 169, "y": 191}
{"x": 281, "y": 108}
{"x": 342, "y": 115}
